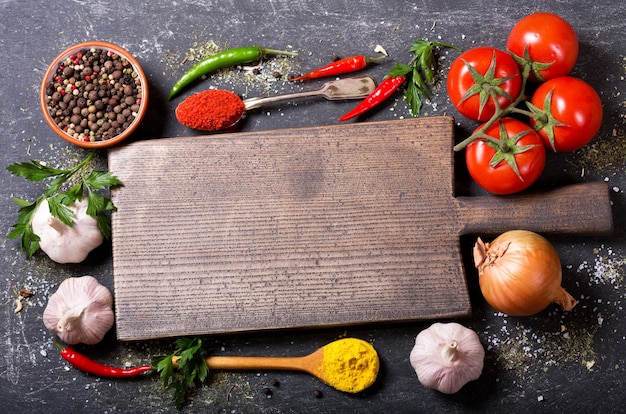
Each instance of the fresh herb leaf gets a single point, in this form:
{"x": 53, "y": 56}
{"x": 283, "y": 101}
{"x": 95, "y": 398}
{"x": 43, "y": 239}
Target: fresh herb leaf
{"x": 399, "y": 69}
{"x": 413, "y": 97}
{"x": 22, "y": 203}
{"x": 75, "y": 193}
{"x": 192, "y": 369}
{"x": 33, "y": 170}
{"x": 421, "y": 71}
{"x": 57, "y": 209}
{"x": 59, "y": 199}
{"x": 99, "y": 180}
{"x": 29, "y": 241}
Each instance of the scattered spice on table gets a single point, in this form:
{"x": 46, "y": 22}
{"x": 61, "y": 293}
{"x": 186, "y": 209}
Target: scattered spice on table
{"x": 210, "y": 110}
{"x": 258, "y": 77}
{"x": 94, "y": 94}
{"x": 606, "y": 154}
{"x": 224, "y": 59}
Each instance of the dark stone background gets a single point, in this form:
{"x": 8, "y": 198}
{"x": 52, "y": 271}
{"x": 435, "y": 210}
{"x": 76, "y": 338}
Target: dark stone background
{"x": 551, "y": 362}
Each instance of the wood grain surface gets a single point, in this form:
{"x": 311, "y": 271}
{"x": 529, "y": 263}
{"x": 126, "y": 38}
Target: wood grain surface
{"x": 307, "y": 227}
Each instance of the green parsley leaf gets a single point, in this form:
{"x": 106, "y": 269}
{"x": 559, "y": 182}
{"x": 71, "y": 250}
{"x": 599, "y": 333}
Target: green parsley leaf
{"x": 421, "y": 72}
{"x": 399, "y": 69}
{"x": 192, "y": 369}
{"x": 59, "y": 198}
{"x": 29, "y": 240}
{"x": 33, "y": 170}
{"x": 100, "y": 180}
{"x": 57, "y": 209}
{"x": 413, "y": 97}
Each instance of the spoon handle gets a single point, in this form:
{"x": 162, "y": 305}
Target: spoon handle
{"x": 261, "y": 363}
{"x": 252, "y": 103}
{"x": 349, "y": 88}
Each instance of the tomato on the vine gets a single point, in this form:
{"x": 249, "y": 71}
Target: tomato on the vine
{"x": 568, "y": 113}
{"x": 481, "y": 76}
{"x": 548, "y": 41}
{"x": 511, "y": 160}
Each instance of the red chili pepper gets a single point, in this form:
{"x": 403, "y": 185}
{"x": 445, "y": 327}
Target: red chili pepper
{"x": 339, "y": 67}
{"x": 90, "y": 366}
{"x": 386, "y": 88}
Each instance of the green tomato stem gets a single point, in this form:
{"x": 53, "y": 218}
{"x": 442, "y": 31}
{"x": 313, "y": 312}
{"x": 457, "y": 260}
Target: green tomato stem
{"x": 501, "y": 112}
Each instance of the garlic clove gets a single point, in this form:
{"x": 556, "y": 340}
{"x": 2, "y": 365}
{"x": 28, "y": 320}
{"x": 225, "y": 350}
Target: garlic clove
{"x": 447, "y": 356}
{"x": 80, "y": 311}
{"x": 62, "y": 243}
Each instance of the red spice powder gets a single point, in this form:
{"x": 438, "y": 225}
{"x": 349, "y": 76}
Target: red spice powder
{"x": 210, "y": 110}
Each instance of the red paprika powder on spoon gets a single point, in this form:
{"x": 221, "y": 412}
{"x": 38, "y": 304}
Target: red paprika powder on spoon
{"x": 210, "y": 110}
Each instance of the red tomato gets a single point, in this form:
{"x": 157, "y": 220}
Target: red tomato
{"x": 572, "y": 114}
{"x": 494, "y": 169}
{"x": 550, "y": 40}
{"x": 472, "y": 75}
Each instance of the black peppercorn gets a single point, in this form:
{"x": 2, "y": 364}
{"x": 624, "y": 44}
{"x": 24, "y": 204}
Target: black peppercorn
{"x": 87, "y": 88}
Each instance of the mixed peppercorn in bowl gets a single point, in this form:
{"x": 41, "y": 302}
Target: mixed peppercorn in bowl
{"x": 94, "y": 94}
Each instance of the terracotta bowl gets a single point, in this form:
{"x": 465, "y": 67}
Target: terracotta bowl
{"x": 84, "y": 140}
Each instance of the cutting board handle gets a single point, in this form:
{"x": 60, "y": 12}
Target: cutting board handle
{"x": 578, "y": 208}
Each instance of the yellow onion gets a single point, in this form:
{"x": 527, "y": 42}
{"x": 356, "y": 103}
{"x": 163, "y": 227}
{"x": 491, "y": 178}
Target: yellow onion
{"x": 520, "y": 273}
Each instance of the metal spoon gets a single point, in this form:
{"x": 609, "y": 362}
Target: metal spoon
{"x": 349, "y": 88}
{"x": 310, "y": 364}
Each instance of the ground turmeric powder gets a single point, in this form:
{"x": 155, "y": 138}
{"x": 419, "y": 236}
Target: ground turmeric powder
{"x": 349, "y": 364}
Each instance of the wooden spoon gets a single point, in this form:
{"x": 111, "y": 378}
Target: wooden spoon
{"x": 352, "y": 377}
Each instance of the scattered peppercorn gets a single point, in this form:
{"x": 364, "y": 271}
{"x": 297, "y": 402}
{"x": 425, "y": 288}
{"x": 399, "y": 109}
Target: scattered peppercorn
{"x": 317, "y": 394}
{"x": 274, "y": 382}
{"x": 94, "y": 95}
{"x": 267, "y": 391}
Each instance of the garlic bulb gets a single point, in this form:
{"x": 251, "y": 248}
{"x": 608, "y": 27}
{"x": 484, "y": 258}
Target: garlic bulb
{"x": 80, "y": 311}
{"x": 62, "y": 243}
{"x": 447, "y": 356}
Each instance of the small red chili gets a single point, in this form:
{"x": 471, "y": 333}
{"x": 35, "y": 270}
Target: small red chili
{"x": 339, "y": 67}
{"x": 386, "y": 88}
{"x": 85, "y": 364}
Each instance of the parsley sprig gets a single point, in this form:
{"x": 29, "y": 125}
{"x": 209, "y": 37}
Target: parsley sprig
{"x": 191, "y": 366}
{"x": 420, "y": 72}
{"x": 60, "y": 194}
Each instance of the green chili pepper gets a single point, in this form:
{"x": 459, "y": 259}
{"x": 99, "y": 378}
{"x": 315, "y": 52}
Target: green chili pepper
{"x": 224, "y": 59}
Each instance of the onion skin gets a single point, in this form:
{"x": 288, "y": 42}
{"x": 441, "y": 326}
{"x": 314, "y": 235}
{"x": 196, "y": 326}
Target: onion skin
{"x": 520, "y": 273}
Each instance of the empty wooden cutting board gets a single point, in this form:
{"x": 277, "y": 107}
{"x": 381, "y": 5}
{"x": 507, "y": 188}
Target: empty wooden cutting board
{"x": 308, "y": 227}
